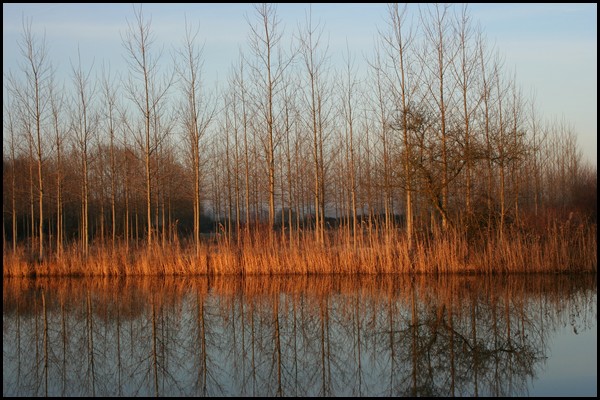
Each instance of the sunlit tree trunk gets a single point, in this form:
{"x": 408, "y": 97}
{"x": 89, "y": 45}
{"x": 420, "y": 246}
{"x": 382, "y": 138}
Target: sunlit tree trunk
{"x": 501, "y": 153}
{"x": 9, "y": 121}
{"x": 368, "y": 177}
{"x": 314, "y": 61}
{"x": 137, "y": 43}
{"x": 110, "y": 104}
{"x": 31, "y": 229}
{"x": 517, "y": 151}
{"x": 33, "y": 98}
{"x": 289, "y": 120}
{"x": 126, "y": 194}
{"x": 383, "y": 120}
{"x": 349, "y": 90}
{"x": 537, "y": 138}
{"x": 229, "y": 194}
{"x": 487, "y": 82}
{"x": 190, "y": 79}
{"x": 398, "y": 45}
{"x": 465, "y": 65}
{"x": 236, "y": 173}
{"x": 268, "y": 71}
{"x": 84, "y": 129}
{"x": 238, "y": 79}
{"x": 439, "y": 54}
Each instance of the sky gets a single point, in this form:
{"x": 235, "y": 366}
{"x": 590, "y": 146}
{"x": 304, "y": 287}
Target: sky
{"x": 552, "y": 47}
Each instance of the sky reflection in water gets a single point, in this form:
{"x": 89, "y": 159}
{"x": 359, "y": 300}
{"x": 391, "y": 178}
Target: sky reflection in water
{"x": 301, "y": 336}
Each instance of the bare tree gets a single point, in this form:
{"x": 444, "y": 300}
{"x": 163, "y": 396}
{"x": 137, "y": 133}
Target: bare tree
{"x": 465, "y": 74}
{"x": 438, "y": 54}
{"x": 9, "y": 125}
{"x": 112, "y": 125}
{"x": 315, "y": 59}
{"x": 517, "y": 144}
{"x": 127, "y": 173}
{"x": 240, "y": 87}
{"x": 226, "y": 131}
{"x": 382, "y": 115}
{"x": 33, "y": 97}
{"x": 348, "y": 93}
{"x": 538, "y": 138}
{"x": 290, "y": 116}
{"x": 486, "y": 114}
{"x": 367, "y": 174}
{"x": 399, "y": 44}
{"x": 197, "y": 116}
{"x": 499, "y": 152}
{"x": 236, "y": 169}
{"x": 57, "y": 102}
{"x": 138, "y": 43}
{"x": 163, "y": 123}
{"x": 268, "y": 73}
{"x": 84, "y": 123}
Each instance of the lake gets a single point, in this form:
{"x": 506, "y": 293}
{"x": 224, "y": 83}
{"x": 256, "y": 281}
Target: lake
{"x": 385, "y": 335}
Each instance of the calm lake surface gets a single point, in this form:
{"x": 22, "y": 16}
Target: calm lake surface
{"x": 301, "y": 336}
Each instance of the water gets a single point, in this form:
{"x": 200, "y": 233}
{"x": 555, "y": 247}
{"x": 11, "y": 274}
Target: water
{"x": 301, "y": 336}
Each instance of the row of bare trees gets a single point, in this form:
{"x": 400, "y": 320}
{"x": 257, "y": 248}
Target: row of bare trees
{"x": 433, "y": 130}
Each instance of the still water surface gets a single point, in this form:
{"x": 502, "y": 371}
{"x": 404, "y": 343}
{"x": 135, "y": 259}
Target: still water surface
{"x": 301, "y": 336}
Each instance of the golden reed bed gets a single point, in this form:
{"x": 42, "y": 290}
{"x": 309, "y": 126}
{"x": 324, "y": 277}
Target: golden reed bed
{"x": 556, "y": 251}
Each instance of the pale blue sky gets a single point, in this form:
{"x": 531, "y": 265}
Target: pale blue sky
{"x": 553, "y": 47}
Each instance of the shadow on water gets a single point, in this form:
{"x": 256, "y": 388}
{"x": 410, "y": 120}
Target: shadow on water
{"x": 287, "y": 336}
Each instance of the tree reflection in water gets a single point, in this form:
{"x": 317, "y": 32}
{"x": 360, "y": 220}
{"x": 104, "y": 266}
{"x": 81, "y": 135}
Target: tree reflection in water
{"x": 286, "y": 336}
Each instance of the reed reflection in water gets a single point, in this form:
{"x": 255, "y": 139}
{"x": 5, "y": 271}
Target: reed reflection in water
{"x": 286, "y": 336}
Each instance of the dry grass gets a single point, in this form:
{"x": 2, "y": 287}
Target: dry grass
{"x": 561, "y": 248}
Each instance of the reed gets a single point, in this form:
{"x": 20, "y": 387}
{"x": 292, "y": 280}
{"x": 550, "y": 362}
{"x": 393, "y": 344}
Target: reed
{"x": 560, "y": 248}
